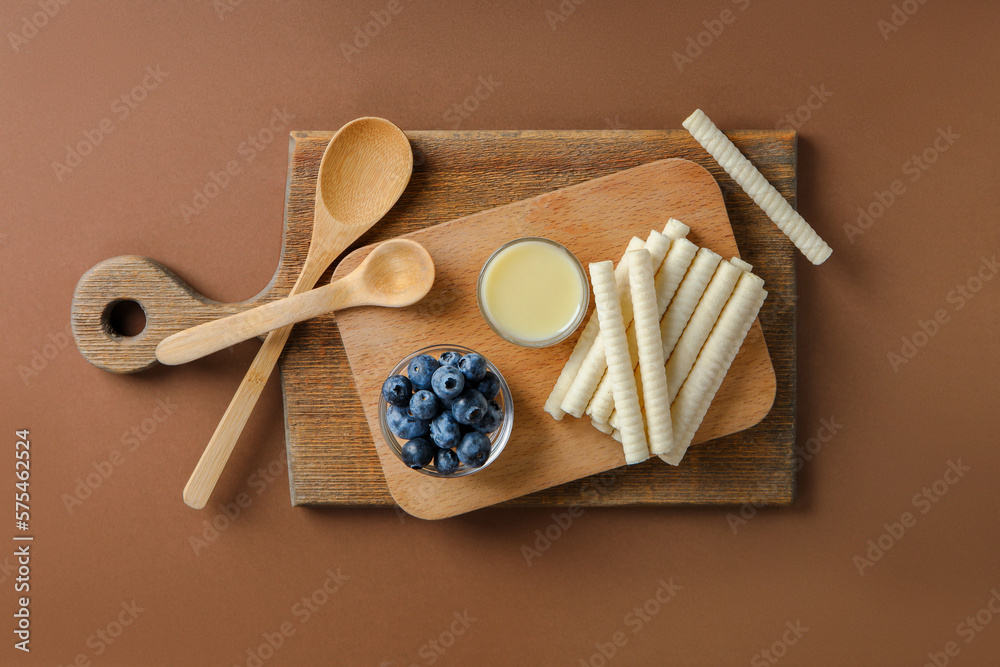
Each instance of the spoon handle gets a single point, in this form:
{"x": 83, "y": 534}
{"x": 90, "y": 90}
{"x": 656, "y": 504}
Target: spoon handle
{"x": 204, "y": 339}
{"x": 209, "y": 468}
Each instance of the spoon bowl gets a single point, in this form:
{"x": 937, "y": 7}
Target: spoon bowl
{"x": 396, "y": 273}
{"x": 354, "y": 188}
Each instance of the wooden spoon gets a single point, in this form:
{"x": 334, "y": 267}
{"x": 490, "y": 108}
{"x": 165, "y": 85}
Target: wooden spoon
{"x": 396, "y": 273}
{"x": 363, "y": 172}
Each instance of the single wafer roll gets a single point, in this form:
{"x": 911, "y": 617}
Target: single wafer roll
{"x": 653, "y": 378}
{"x": 682, "y": 358}
{"x": 702, "y": 383}
{"x": 608, "y": 306}
{"x": 583, "y": 345}
{"x": 687, "y": 297}
{"x": 675, "y": 229}
{"x": 671, "y": 272}
{"x": 756, "y": 186}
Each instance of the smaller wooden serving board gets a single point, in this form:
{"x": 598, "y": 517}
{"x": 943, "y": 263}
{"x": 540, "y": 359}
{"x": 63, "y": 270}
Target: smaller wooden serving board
{"x": 594, "y": 219}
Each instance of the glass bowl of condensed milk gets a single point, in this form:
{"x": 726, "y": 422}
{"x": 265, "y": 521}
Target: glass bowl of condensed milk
{"x": 533, "y": 292}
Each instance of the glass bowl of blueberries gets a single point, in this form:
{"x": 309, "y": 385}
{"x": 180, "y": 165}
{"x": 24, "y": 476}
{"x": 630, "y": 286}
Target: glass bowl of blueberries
{"x": 446, "y": 411}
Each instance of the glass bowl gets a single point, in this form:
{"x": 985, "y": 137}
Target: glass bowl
{"x": 498, "y": 439}
{"x": 563, "y": 333}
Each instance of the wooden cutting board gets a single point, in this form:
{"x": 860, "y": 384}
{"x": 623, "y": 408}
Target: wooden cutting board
{"x": 331, "y": 454}
{"x": 595, "y": 220}
{"x": 331, "y": 457}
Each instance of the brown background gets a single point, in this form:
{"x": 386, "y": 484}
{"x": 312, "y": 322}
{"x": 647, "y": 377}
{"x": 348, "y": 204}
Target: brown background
{"x": 606, "y": 65}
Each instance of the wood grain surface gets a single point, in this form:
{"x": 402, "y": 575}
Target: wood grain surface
{"x": 331, "y": 455}
{"x": 595, "y": 220}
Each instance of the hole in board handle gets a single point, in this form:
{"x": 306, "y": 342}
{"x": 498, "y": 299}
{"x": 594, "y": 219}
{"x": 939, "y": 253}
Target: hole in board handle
{"x": 124, "y": 318}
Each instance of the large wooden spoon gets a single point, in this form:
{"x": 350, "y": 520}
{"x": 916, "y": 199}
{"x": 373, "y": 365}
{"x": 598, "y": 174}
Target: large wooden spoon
{"x": 396, "y": 273}
{"x": 363, "y": 172}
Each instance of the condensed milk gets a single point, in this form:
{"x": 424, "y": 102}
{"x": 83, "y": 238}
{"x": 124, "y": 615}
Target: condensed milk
{"x": 533, "y": 292}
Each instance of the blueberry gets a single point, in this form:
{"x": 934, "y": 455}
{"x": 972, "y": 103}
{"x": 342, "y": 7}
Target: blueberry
{"x": 447, "y": 382}
{"x": 469, "y": 407}
{"x": 418, "y": 452}
{"x": 397, "y": 389}
{"x": 489, "y": 386}
{"x": 466, "y": 429}
{"x": 445, "y": 461}
{"x": 474, "y": 449}
{"x": 492, "y": 420}
{"x": 404, "y": 424}
{"x": 424, "y": 405}
{"x": 473, "y": 367}
{"x": 421, "y": 369}
{"x": 450, "y": 358}
{"x": 445, "y": 431}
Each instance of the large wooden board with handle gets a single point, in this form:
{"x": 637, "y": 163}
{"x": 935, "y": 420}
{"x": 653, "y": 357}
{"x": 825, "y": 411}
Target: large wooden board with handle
{"x": 331, "y": 454}
{"x": 595, "y": 220}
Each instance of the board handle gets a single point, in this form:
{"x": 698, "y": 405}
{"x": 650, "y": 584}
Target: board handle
{"x": 169, "y": 304}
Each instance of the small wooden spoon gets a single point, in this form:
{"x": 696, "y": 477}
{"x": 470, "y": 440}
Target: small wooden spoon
{"x": 363, "y": 172}
{"x": 396, "y": 273}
